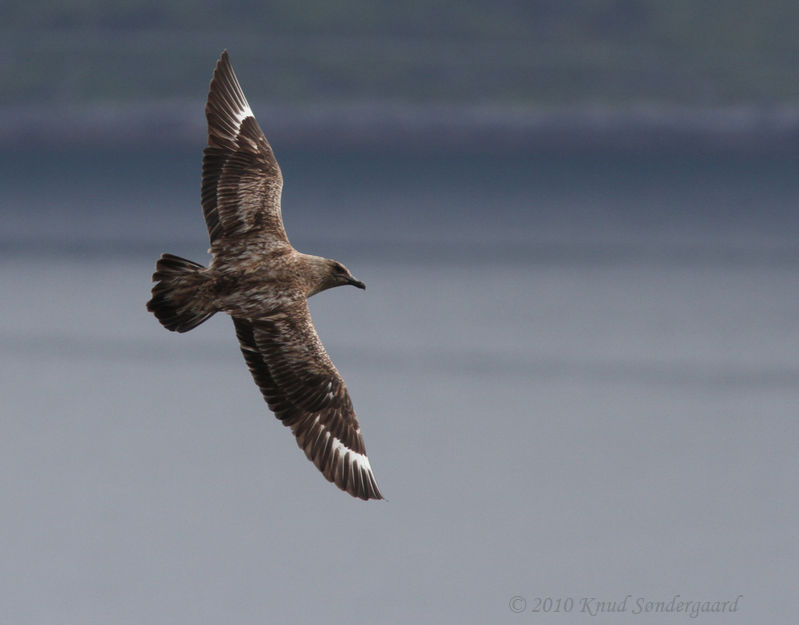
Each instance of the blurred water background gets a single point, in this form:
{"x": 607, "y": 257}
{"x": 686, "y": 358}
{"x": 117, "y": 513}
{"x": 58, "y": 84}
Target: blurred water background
{"x": 576, "y": 364}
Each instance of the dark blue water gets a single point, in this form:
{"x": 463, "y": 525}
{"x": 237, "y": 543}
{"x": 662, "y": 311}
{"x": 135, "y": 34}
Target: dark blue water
{"x": 577, "y": 376}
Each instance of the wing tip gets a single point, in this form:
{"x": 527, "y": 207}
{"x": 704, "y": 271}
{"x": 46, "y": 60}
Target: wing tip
{"x": 223, "y": 62}
{"x": 372, "y": 494}
{"x": 226, "y": 106}
{"x": 368, "y": 487}
{"x": 349, "y": 470}
{"x": 356, "y": 477}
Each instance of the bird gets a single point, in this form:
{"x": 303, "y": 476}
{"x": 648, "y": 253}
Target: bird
{"x": 257, "y": 277}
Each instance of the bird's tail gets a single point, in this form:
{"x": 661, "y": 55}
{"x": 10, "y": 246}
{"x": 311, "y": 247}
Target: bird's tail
{"x": 180, "y": 301}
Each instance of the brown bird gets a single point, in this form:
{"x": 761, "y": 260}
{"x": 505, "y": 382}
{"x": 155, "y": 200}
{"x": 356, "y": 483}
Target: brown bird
{"x": 260, "y": 280}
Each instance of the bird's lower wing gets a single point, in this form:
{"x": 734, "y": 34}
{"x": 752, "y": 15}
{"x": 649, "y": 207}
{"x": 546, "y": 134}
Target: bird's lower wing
{"x": 306, "y": 392}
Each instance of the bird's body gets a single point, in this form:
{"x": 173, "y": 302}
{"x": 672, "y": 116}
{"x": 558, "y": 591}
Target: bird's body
{"x": 249, "y": 285}
{"x": 260, "y": 280}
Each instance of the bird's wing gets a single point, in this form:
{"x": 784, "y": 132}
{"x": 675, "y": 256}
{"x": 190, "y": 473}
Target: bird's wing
{"x": 242, "y": 182}
{"x": 306, "y": 392}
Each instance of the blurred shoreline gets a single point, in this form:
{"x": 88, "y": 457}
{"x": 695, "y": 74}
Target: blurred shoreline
{"x": 375, "y": 126}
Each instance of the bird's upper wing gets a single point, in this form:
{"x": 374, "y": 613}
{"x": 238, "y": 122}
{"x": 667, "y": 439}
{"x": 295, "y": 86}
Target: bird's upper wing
{"x": 306, "y": 392}
{"x": 242, "y": 182}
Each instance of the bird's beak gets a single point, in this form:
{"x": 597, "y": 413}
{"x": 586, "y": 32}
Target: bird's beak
{"x": 357, "y": 283}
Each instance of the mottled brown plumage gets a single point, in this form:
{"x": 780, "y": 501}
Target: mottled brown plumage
{"x": 258, "y": 278}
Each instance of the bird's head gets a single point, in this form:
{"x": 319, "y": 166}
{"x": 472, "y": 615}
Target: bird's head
{"x": 330, "y": 273}
{"x": 340, "y": 275}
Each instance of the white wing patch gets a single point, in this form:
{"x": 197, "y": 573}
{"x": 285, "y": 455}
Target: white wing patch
{"x": 241, "y": 115}
{"x": 359, "y": 460}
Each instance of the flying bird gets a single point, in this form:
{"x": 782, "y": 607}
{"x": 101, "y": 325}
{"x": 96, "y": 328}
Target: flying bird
{"x": 263, "y": 283}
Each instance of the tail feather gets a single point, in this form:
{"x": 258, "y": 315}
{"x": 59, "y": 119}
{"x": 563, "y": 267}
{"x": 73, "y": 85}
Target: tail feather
{"x": 177, "y": 300}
